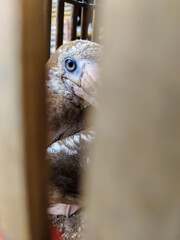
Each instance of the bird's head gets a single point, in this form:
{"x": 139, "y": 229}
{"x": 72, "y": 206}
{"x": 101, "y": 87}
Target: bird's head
{"x": 74, "y": 72}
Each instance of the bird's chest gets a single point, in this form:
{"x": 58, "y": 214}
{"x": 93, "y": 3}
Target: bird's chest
{"x": 64, "y": 119}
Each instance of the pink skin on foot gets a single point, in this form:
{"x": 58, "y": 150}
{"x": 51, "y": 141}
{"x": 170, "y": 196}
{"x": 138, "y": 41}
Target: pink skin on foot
{"x": 63, "y": 209}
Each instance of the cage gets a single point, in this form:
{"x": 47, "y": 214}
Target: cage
{"x": 134, "y": 188}
{"x": 72, "y": 19}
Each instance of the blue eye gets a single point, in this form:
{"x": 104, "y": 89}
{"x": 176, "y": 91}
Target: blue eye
{"x": 70, "y": 64}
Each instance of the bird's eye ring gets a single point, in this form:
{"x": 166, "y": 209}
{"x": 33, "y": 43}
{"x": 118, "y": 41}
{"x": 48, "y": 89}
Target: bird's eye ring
{"x": 70, "y": 64}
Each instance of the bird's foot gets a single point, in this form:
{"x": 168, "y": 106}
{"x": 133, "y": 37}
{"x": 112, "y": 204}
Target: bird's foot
{"x": 63, "y": 209}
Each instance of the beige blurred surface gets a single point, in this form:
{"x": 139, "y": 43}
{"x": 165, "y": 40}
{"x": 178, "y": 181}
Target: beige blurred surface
{"x": 33, "y": 60}
{"x": 135, "y": 175}
{"x": 22, "y": 122}
{"x": 13, "y": 214}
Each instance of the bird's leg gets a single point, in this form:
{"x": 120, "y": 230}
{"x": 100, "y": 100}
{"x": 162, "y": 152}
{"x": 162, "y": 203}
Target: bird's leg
{"x": 63, "y": 209}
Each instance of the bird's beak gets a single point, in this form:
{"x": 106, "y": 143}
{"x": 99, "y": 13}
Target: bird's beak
{"x": 89, "y": 82}
{"x": 86, "y": 84}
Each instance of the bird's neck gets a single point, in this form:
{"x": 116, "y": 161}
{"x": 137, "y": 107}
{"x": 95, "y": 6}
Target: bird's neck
{"x": 64, "y": 118}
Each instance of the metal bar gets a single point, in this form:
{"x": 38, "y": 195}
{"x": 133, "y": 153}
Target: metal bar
{"x": 95, "y": 33}
{"x": 84, "y": 22}
{"x": 74, "y": 22}
{"x": 59, "y": 23}
{"x": 97, "y": 22}
{"x": 93, "y": 25}
{"x": 47, "y": 25}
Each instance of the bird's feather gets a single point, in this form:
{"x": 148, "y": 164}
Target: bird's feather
{"x": 69, "y": 100}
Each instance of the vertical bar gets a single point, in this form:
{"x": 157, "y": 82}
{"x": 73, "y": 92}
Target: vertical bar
{"x": 84, "y": 22}
{"x": 96, "y": 22}
{"x": 91, "y": 14}
{"x": 14, "y": 222}
{"x": 33, "y": 56}
{"x": 134, "y": 185}
{"x": 53, "y": 27}
{"x": 74, "y": 16}
{"x": 47, "y": 25}
{"x": 95, "y": 33}
{"x": 60, "y": 23}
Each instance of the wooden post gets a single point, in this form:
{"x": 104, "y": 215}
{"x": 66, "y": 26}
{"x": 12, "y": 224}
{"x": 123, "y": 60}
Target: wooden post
{"x": 135, "y": 175}
{"x": 14, "y": 222}
{"x": 22, "y": 129}
{"x": 33, "y": 51}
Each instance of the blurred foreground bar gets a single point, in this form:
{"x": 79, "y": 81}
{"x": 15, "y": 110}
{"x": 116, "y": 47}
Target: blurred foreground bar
{"x": 22, "y": 122}
{"x": 33, "y": 86}
{"x": 134, "y": 180}
{"x": 13, "y": 197}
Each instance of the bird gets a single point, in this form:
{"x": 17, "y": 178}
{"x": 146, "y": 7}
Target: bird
{"x": 72, "y": 83}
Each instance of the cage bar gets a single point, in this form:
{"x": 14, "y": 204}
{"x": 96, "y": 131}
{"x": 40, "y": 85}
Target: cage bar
{"x": 60, "y": 23}
{"x": 47, "y": 25}
{"x": 74, "y": 22}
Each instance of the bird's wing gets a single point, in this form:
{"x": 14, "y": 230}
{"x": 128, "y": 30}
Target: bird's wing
{"x": 67, "y": 159}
